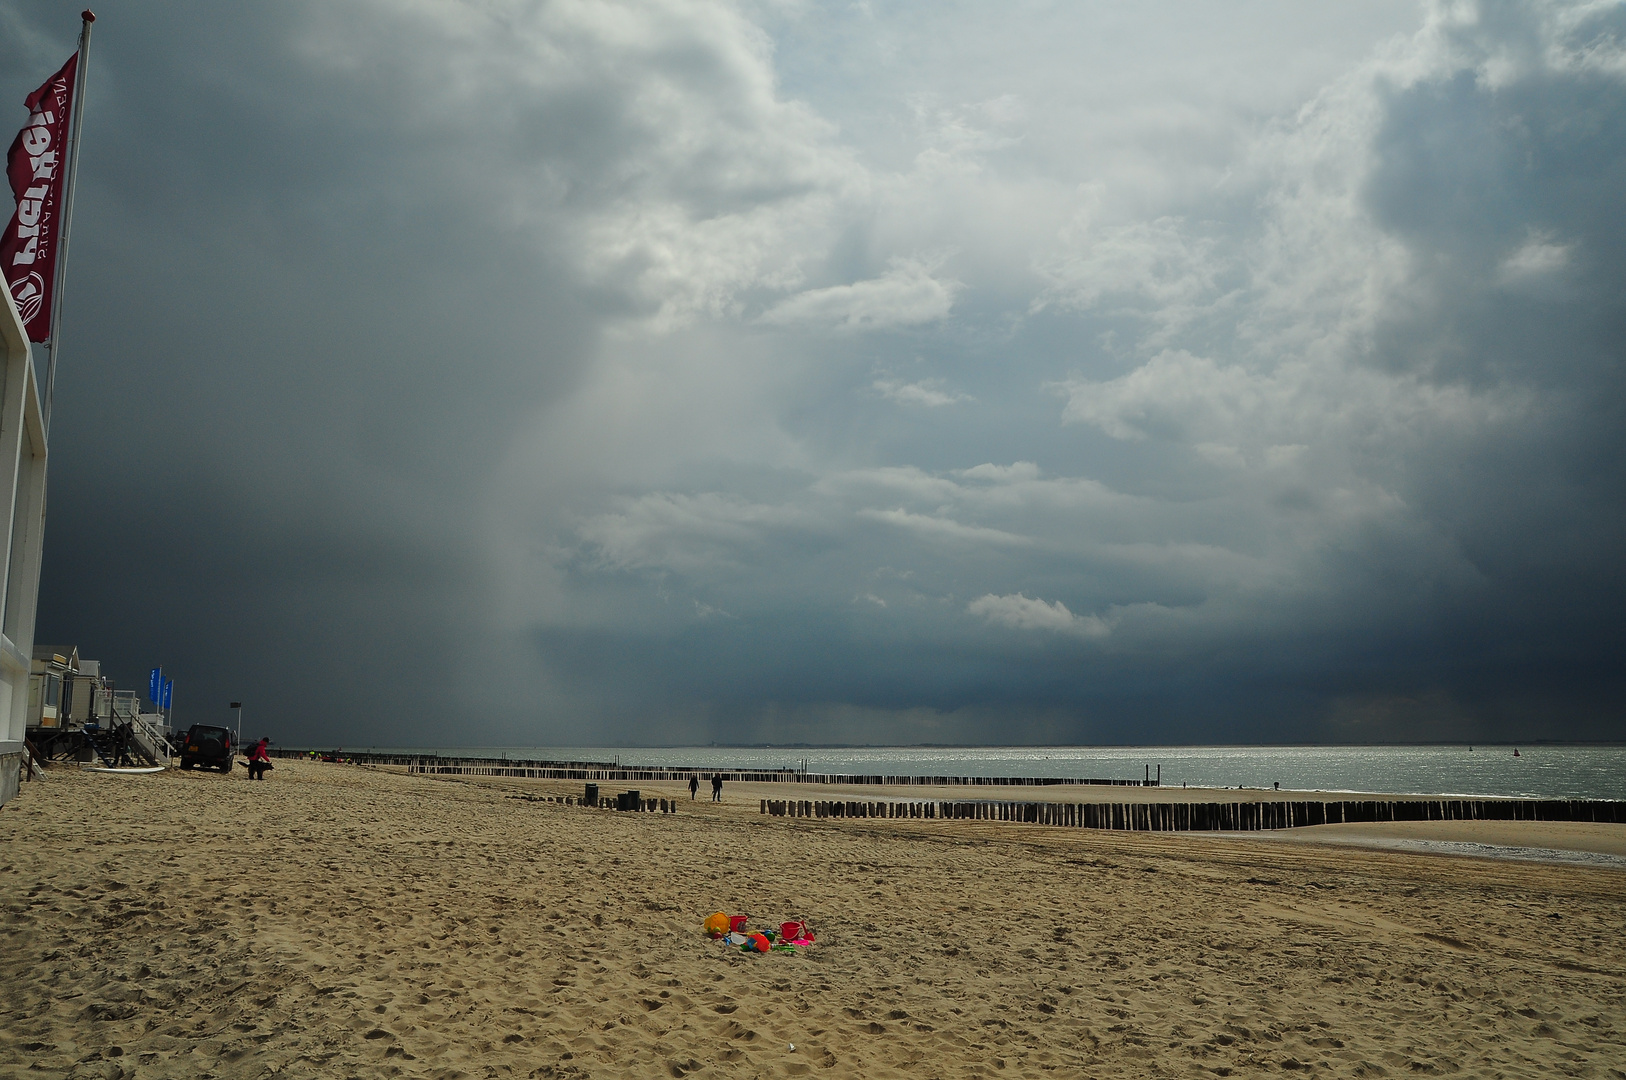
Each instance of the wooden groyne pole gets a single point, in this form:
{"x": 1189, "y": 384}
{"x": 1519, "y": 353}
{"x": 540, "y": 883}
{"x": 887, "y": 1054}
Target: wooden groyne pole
{"x": 1215, "y": 817}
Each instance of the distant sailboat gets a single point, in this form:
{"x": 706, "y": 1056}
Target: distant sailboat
{"x": 1515, "y": 751}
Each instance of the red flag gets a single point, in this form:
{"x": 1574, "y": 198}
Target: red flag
{"x": 35, "y": 166}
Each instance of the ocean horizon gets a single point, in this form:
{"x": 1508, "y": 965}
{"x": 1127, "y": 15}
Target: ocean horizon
{"x": 1539, "y": 770}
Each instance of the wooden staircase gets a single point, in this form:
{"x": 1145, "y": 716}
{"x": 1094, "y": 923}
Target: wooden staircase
{"x": 120, "y": 746}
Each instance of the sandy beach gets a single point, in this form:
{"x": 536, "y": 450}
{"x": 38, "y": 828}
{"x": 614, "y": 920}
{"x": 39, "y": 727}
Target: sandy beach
{"x": 341, "y": 921}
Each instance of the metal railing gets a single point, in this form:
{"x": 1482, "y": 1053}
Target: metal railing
{"x": 122, "y": 704}
{"x": 150, "y": 740}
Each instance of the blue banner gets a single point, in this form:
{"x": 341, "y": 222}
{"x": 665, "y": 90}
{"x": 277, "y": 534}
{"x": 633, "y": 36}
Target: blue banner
{"x": 169, "y": 685}
{"x": 155, "y": 684}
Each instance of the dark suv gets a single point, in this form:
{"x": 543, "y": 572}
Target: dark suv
{"x": 208, "y": 746}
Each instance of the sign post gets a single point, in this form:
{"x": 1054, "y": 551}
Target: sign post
{"x": 87, "y": 17}
{"x": 238, "y": 705}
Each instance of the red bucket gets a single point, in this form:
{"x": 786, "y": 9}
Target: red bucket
{"x": 792, "y": 931}
{"x": 737, "y": 923}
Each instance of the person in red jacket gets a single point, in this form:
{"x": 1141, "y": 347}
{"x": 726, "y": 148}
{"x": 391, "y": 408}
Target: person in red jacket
{"x": 258, "y": 760}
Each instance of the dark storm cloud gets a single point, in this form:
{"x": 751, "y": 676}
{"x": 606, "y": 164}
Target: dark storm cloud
{"x": 278, "y": 377}
{"x": 1503, "y": 190}
{"x": 574, "y": 373}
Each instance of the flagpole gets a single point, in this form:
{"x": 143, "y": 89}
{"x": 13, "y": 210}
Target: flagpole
{"x": 82, "y": 70}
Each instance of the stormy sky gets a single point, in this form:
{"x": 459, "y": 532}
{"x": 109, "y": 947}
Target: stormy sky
{"x": 587, "y": 372}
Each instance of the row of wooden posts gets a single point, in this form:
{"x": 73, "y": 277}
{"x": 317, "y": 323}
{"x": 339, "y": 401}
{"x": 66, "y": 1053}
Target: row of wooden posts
{"x": 629, "y": 774}
{"x": 627, "y": 800}
{"x": 1224, "y": 817}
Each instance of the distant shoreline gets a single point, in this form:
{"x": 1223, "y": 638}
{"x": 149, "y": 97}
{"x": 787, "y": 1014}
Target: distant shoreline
{"x": 447, "y": 750}
{"x": 1526, "y": 770}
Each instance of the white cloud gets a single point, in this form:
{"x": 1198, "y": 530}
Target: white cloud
{"x": 1537, "y": 257}
{"x": 1002, "y": 474}
{"x": 706, "y": 611}
{"x": 1159, "y": 268}
{"x": 906, "y": 295}
{"x": 676, "y": 531}
{"x": 888, "y": 482}
{"x": 1173, "y": 395}
{"x": 945, "y": 528}
{"x": 928, "y": 393}
{"x": 647, "y": 141}
{"x": 1020, "y": 612}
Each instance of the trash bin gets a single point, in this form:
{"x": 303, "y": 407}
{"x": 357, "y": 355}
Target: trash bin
{"x": 591, "y": 796}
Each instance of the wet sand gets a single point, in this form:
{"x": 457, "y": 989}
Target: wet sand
{"x": 339, "y": 921}
{"x": 1581, "y": 836}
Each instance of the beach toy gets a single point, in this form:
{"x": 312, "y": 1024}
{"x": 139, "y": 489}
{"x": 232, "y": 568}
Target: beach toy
{"x": 757, "y": 943}
{"x": 716, "y": 925}
{"x": 792, "y": 930}
{"x": 735, "y": 939}
{"x": 737, "y": 923}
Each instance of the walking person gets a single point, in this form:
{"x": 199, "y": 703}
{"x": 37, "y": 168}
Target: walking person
{"x": 716, "y": 788}
{"x": 694, "y": 787}
{"x": 258, "y": 760}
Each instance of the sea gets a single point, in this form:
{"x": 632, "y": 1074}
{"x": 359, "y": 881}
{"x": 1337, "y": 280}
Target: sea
{"x": 1541, "y": 771}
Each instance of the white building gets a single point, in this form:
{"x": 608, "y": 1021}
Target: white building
{"x": 22, "y": 525}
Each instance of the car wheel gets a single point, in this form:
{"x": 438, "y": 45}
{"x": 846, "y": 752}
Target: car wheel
{"x": 225, "y": 766}
{"x": 185, "y": 764}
